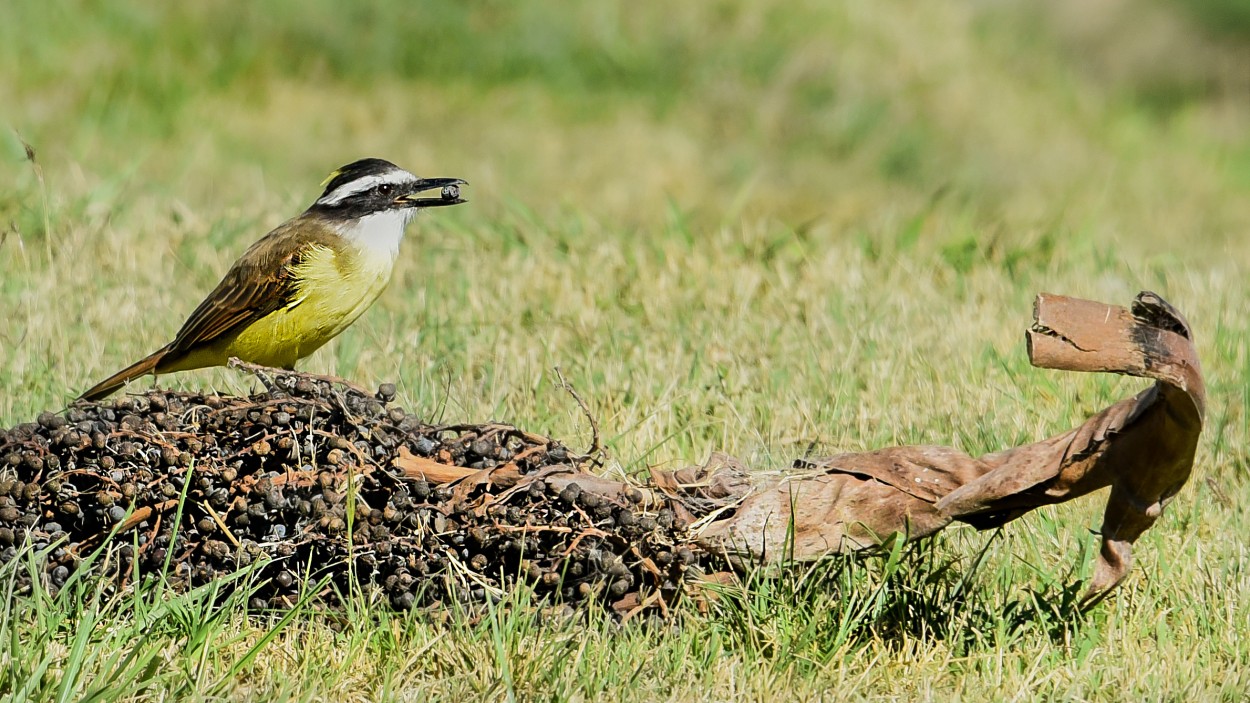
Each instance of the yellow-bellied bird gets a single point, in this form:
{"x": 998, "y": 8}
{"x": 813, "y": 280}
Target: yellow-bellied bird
{"x": 304, "y": 282}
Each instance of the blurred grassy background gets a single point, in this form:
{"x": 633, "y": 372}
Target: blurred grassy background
{"x": 765, "y": 227}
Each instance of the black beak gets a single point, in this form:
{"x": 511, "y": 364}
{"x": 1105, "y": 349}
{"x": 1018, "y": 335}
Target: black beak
{"x": 450, "y": 194}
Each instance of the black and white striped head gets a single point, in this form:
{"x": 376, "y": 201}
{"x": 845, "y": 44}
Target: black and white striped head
{"x": 371, "y": 186}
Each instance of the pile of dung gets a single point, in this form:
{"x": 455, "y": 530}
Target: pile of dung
{"x": 311, "y": 484}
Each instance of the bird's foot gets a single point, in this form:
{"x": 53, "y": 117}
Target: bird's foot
{"x": 263, "y": 373}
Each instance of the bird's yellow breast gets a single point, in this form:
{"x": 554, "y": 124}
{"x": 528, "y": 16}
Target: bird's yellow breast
{"x": 334, "y": 286}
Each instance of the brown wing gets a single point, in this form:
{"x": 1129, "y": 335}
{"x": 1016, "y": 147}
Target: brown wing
{"x": 260, "y": 282}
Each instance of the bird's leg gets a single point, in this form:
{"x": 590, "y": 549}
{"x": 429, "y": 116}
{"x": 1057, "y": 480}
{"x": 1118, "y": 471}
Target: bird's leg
{"x": 260, "y": 372}
{"x": 156, "y": 382}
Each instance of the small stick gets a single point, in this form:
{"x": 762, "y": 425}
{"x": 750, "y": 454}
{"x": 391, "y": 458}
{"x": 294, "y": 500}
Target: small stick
{"x": 221, "y": 523}
{"x": 586, "y": 532}
{"x": 138, "y": 516}
{"x": 144, "y": 513}
{"x": 528, "y": 529}
{"x": 646, "y": 603}
{"x": 417, "y": 467}
{"x": 595, "y": 447}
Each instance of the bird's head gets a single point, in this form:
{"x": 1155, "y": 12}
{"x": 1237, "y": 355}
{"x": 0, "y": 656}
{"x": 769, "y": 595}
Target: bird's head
{"x": 373, "y": 186}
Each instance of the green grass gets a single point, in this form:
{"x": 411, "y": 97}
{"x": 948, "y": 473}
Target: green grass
{"x": 769, "y": 228}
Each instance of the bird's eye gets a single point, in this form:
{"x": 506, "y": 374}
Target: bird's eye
{"x": 385, "y": 189}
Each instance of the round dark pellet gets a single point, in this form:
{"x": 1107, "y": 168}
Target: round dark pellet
{"x": 50, "y": 420}
{"x": 665, "y": 518}
{"x": 386, "y": 392}
{"x": 425, "y": 446}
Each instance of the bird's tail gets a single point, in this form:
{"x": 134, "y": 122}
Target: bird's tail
{"x": 144, "y": 366}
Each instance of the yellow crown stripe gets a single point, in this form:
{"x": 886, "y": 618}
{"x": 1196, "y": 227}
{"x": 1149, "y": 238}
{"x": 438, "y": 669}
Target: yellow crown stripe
{"x": 333, "y": 174}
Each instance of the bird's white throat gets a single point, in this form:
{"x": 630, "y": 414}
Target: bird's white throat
{"x": 379, "y": 234}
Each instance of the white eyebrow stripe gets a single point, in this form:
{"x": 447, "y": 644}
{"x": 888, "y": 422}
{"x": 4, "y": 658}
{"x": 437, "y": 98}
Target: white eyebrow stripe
{"x": 360, "y": 185}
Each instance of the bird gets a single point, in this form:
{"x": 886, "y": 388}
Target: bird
{"x": 304, "y": 282}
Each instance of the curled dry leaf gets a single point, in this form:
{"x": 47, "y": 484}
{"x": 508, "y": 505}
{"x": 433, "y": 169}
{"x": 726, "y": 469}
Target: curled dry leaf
{"x": 1142, "y": 447}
